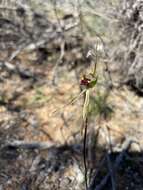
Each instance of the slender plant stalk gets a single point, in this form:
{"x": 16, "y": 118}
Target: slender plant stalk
{"x": 84, "y": 153}
{"x": 91, "y": 83}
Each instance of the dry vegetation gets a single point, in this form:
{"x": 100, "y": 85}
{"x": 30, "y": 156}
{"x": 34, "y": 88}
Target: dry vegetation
{"x": 45, "y": 49}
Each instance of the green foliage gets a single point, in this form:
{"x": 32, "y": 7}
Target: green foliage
{"x": 40, "y": 97}
{"x": 99, "y": 106}
{"x": 2, "y": 98}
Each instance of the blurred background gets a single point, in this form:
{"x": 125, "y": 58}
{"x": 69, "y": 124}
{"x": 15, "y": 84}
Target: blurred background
{"x": 46, "y": 47}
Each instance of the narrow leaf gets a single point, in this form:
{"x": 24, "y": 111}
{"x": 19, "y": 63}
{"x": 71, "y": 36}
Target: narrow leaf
{"x": 86, "y": 105}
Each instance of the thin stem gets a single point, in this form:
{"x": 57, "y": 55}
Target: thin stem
{"x": 84, "y": 152}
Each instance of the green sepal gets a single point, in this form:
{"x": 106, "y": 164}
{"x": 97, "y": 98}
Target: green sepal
{"x": 93, "y": 83}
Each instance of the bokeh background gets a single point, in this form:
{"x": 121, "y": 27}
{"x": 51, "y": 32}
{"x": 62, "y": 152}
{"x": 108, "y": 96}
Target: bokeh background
{"x": 45, "y": 49}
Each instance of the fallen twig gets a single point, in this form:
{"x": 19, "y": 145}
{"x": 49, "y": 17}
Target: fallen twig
{"x": 110, "y": 165}
{"x": 30, "y": 145}
{"x": 111, "y": 171}
{"x": 118, "y": 160}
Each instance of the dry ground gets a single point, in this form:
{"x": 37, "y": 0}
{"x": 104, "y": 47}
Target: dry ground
{"x": 33, "y": 110}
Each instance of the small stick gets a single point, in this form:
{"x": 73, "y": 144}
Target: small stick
{"x": 30, "y": 145}
{"x": 118, "y": 160}
{"x": 111, "y": 171}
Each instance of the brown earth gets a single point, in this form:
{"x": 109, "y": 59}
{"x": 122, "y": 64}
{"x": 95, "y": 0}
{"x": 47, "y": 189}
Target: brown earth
{"x": 33, "y": 110}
